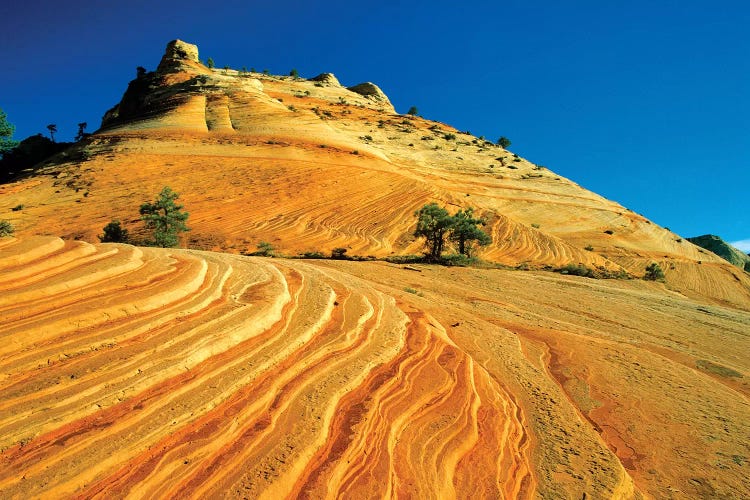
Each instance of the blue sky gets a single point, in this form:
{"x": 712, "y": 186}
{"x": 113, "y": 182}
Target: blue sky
{"x": 644, "y": 102}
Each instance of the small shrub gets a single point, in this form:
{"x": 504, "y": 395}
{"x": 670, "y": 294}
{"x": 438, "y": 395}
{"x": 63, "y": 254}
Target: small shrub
{"x": 589, "y": 248}
{"x": 265, "y": 249}
{"x": 535, "y": 225}
{"x": 17, "y": 208}
{"x": 114, "y": 233}
{"x": 6, "y": 228}
{"x": 312, "y": 255}
{"x": 503, "y": 142}
{"x": 294, "y": 73}
{"x": 406, "y": 259}
{"x": 609, "y": 231}
{"x": 654, "y": 272}
{"x": 412, "y": 111}
{"x": 449, "y": 137}
{"x": 577, "y": 270}
{"x": 338, "y": 253}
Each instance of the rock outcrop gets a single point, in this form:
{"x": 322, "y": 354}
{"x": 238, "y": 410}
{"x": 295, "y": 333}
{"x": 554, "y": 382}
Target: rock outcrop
{"x": 370, "y": 91}
{"x": 723, "y": 249}
{"x": 328, "y": 79}
{"x": 179, "y": 56}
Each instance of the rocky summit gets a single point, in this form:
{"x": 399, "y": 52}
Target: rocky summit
{"x": 548, "y": 369}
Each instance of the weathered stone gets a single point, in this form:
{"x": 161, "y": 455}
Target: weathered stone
{"x": 370, "y": 91}
{"x": 176, "y": 55}
{"x": 328, "y": 79}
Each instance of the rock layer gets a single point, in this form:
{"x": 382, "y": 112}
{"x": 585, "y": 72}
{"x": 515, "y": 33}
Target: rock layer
{"x": 177, "y": 373}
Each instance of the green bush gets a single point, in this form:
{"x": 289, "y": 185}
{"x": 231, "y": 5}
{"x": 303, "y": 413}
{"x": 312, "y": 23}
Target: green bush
{"x": 265, "y": 249}
{"x": 338, "y": 253}
{"x": 6, "y": 228}
{"x": 503, "y": 142}
{"x": 114, "y": 233}
{"x": 412, "y": 111}
{"x": 294, "y": 73}
{"x": 577, "y": 270}
{"x": 654, "y": 272}
{"x": 210, "y": 63}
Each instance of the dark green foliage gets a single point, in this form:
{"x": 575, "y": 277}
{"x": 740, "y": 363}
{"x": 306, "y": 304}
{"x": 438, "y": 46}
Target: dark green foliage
{"x": 465, "y": 230}
{"x": 338, "y": 253}
{"x": 52, "y": 131}
{"x": 114, "y": 233}
{"x": 6, "y": 228}
{"x": 412, "y": 111}
{"x": 265, "y": 249}
{"x": 589, "y": 248}
{"x": 312, "y": 255}
{"x": 6, "y": 134}
{"x": 165, "y": 218}
{"x": 210, "y": 63}
{"x": 577, "y": 270}
{"x": 449, "y": 137}
{"x": 294, "y": 73}
{"x": 140, "y": 72}
{"x": 17, "y": 208}
{"x": 503, "y": 142}
{"x": 654, "y": 272}
{"x": 433, "y": 223}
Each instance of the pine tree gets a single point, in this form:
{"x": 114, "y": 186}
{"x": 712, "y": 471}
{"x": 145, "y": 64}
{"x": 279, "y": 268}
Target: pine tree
{"x": 433, "y": 223}
{"x": 465, "y": 230}
{"x": 165, "y": 218}
{"x": 6, "y": 134}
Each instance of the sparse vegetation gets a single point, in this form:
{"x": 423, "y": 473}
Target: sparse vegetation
{"x": 165, "y": 218}
{"x": 449, "y": 137}
{"x": 609, "y": 231}
{"x": 6, "y": 228}
{"x": 589, "y": 248}
{"x": 265, "y": 249}
{"x": 210, "y": 63}
{"x": 18, "y": 208}
{"x": 293, "y": 73}
{"x": 720, "y": 370}
{"x": 338, "y": 253}
{"x": 412, "y": 111}
{"x": 654, "y": 272}
{"x": 52, "y": 131}
{"x": 577, "y": 270}
{"x": 503, "y": 142}
{"x": 114, "y": 233}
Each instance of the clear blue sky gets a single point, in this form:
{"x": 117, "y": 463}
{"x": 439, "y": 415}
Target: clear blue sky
{"x": 644, "y": 102}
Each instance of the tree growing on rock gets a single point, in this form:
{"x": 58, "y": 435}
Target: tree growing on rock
{"x": 6, "y": 134}
{"x": 465, "y": 231}
{"x": 433, "y": 223}
{"x": 81, "y": 131}
{"x": 503, "y": 142}
{"x": 165, "y": 218}
{"x": 52, "y": 131}
{"x": 412, "y": 111}
{"x": 210, "y": 63}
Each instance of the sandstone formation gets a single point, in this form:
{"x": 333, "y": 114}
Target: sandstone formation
{"x": 327, "y": 78}
{"x": 165, "y": 373}
{"x": 723, "y": 249}
{"x": 371, "y": 91}
{"x": 178, "y": 373}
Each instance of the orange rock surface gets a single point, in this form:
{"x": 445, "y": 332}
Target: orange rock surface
{"x": 158, "y": 373}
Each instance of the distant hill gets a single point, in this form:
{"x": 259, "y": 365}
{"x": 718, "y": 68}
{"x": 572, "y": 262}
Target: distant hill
{"x": 722, "y": 249}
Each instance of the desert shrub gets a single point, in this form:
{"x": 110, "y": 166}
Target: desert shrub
{"x": 405, "y": 259}
{"x": 210, "y": 63}
{"x": 294, "y": 73}
{"x": 449, "y": 137}
{"x": 6, "y": 228}
{"x": 503, "y": 142}
{"x": 265, "y": 249}
{"x": 457, "y": 259}
{"x": 577, "y": 270}
{"x": 114, "y": 233}
{"x": 17, "y": 208}
{"x": 609, "y": 231}
{"x": 312, "y": 255}
{"x": 589, "y": 248}
{"x": 653, "y": 272}
{"x": 338, "y": 253}
{"x": 412, "y": 111}
{"x": 535, "y": 225}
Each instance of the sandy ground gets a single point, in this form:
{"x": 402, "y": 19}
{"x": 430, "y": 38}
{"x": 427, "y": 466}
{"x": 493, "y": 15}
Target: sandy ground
{"x": 177, "y": 373}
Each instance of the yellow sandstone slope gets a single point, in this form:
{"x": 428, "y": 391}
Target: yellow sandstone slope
{"x": 310, "y": 165}
{"x": 166, "y": 373}
{"x": 161, "y": 373}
